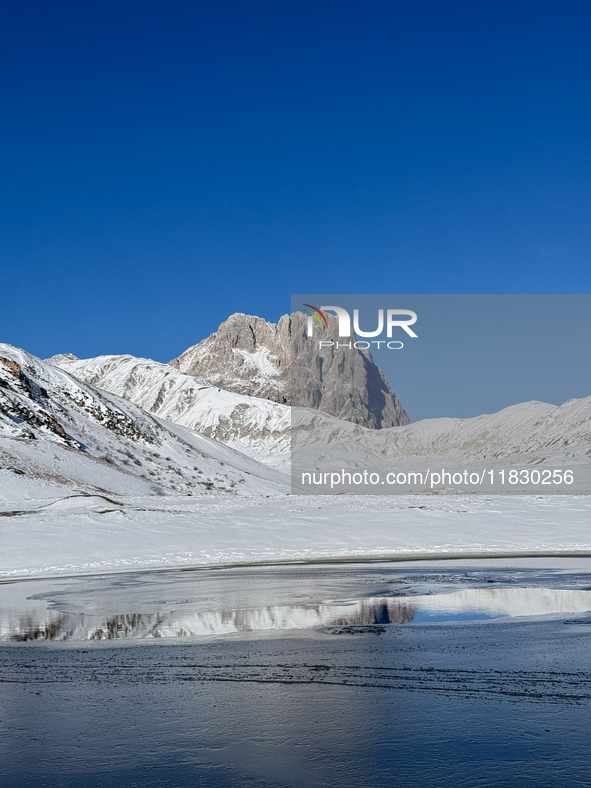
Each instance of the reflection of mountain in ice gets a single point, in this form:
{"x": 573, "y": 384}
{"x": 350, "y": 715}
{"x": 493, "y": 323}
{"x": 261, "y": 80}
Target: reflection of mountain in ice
{"x": 507, "y": 601}
{"x": 37, "y": 624}
{"x": 54, "y": 625}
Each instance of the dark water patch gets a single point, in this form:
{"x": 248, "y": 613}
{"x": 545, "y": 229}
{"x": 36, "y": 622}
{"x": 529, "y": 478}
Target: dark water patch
{"x": 355, "y": 630}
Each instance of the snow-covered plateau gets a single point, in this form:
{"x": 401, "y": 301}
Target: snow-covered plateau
{"x": 93, "y": 534}
{"x": 118, "y": 463}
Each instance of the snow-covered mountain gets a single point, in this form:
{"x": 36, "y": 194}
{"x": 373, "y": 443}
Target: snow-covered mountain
{"x": 248, "y": 355}
{"x": 258, "y": 427}
{"x": 61, "y": 435}
{"x": 90, "y": 482}
{"x": 529, "y": 434}
{"x": 534, "y": 429}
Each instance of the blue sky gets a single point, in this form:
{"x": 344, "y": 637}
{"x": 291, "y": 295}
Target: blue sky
{"x": 166, "y": 164}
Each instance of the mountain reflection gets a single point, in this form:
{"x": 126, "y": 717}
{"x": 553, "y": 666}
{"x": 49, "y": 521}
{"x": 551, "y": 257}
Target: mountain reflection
{"x": 34, "y": 621}
{"x": 185, "y": 623}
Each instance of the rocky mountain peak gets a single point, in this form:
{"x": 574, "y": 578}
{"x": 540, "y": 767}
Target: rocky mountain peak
{"x": 61, "y": 357}
{"x": 276, "y": 361}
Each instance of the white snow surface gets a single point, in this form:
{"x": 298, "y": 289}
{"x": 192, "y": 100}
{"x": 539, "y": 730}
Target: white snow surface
{"x": 87, "y": 534}
{"x": 262, "y": 362}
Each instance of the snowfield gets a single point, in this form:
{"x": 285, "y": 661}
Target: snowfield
{"x": 89, "y": 534}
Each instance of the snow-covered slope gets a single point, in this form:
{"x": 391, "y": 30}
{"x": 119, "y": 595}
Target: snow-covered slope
{"x": 60, "y": 436}
{"x": 257, "y": 427}
{"x": 536, "y": 431}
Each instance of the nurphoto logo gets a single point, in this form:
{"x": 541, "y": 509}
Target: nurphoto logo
{"x": 394, "y": 319}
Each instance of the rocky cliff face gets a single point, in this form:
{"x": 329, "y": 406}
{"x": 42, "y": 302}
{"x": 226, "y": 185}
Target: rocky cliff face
{"x": 248, "y": 355}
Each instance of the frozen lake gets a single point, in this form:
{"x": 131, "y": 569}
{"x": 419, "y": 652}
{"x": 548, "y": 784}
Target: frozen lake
{"x": 402, "y": 674}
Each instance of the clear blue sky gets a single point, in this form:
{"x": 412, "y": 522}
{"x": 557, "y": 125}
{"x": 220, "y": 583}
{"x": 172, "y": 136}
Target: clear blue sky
{"x": 164, "y": 164}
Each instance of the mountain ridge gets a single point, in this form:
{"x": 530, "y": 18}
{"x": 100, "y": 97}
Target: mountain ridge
{"x": 258, "y": 427}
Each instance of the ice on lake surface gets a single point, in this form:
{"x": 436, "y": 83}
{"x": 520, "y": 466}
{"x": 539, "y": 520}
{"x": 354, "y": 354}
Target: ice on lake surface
{"x": 404, "y": 675}
{"x": 220, "y": 603}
